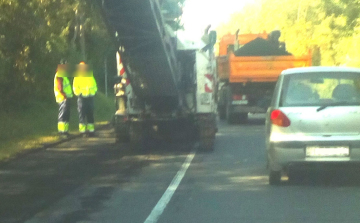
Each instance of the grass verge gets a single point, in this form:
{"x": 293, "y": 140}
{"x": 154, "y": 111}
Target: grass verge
{"x": 31, "y": 128}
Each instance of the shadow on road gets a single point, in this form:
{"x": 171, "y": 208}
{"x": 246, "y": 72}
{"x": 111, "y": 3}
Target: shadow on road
{"x": 335, "y": 178}
{"x": 253, "y": 120}
{"x": 34, "y": 182}
{"x": 159, "y": 148}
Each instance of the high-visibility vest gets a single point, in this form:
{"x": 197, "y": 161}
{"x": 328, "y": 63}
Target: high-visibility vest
{"x": 85, "y": 86}
{"x": 66, "y": 89}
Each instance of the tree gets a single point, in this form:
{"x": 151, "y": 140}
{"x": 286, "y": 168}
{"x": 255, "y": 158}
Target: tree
{"x": 328, "y": 28}
{"x": 34, "y": 36}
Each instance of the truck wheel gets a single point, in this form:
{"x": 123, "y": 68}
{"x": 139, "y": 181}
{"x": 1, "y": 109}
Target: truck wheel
{"x": 222, "y": 113}
{"x": 274, "y": 177}
{"x": 230, "y": 117}
{"x": 243, "y": 117}
{"x": 230, "y": 120}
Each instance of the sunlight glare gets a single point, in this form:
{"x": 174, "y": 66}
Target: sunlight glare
{"x": 200, "y": 13}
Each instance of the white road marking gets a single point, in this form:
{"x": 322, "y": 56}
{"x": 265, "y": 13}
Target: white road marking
{"x": 164, "y": 200}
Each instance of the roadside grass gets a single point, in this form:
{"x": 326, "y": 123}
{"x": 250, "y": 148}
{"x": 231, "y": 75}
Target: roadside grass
{"x": 37, "y": 125}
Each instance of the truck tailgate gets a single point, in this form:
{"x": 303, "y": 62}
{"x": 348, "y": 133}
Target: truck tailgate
{"x": 257, "y": 68}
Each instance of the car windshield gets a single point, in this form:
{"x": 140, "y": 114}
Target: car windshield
{"x": 321, "y": 89}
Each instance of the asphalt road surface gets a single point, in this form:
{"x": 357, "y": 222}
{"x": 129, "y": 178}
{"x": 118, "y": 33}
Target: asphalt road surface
{"x": 94, "y": 180}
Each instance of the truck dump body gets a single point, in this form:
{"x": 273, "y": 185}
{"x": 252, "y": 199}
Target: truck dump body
{"x": 147, "y": 50}
{"x": 248, "y": 67}
{"x": 242, "y": 39}
{"x": 258, "y": 60}
{"x": 257, "y": 68}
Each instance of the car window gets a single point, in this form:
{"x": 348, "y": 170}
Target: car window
{"x": 320, "y": 88}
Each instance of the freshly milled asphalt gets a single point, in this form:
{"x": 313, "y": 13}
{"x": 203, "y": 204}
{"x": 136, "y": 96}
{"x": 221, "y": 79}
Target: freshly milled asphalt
{"x": 94, "y": 180}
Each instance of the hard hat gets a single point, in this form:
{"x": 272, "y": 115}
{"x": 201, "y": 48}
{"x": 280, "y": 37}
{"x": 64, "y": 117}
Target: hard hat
{"x": 82, "y": 63}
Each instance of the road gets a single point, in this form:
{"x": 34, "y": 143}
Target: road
{"x": 94, "y": 180}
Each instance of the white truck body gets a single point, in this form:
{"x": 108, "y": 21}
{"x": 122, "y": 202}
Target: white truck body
{"x": 206, "y": 79}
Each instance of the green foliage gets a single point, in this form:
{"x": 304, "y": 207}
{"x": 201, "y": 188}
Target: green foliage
{"x": 34, "y": 36}
{"x": 327, "y": 28}
{"x": 37, "y": 124}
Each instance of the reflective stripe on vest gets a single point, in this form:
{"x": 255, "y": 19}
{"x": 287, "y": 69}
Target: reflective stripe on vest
{"x": 85, "y": 86}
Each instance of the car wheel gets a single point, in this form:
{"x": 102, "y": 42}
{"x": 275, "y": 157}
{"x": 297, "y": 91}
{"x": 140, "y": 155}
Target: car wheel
{"x": 274, "y": 177}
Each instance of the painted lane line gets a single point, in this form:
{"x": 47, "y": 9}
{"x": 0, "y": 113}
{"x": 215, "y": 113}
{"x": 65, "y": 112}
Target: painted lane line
{"x": 166, "y": 197}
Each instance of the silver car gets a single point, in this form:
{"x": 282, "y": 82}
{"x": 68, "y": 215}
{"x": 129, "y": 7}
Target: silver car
{"x": 314, "y": 118}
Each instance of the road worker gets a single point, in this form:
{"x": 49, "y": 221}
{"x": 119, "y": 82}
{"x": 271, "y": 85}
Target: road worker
{"x": 63, "y": 93}
{"x": 85, "y": 88}
{"x": 273, "y": 38}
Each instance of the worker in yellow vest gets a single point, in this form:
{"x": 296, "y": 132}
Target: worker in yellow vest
{"x": 63, "y": 92}
{"x": 85, "y": 88}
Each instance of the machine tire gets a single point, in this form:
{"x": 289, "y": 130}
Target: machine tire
{"x": 230, "y": 118}
{"x": 136, "y": 136}
{"x": 274, "y": 177}
{"x": 206, "y": 133}
{"x": 121, "y": 130}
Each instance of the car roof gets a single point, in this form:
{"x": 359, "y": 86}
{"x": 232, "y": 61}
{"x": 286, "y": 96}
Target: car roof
{"x": 319, "y": 69}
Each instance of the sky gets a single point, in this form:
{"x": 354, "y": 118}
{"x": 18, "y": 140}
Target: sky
{"x": 200, "y": 13}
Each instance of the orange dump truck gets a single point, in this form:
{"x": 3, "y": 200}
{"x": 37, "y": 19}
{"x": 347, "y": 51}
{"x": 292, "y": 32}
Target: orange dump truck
{"x": 247, "y": 82}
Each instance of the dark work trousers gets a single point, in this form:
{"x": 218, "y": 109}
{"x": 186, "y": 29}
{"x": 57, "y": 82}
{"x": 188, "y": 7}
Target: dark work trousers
{"x": 64, "y": 111}
{"x": 86, "y": 110}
